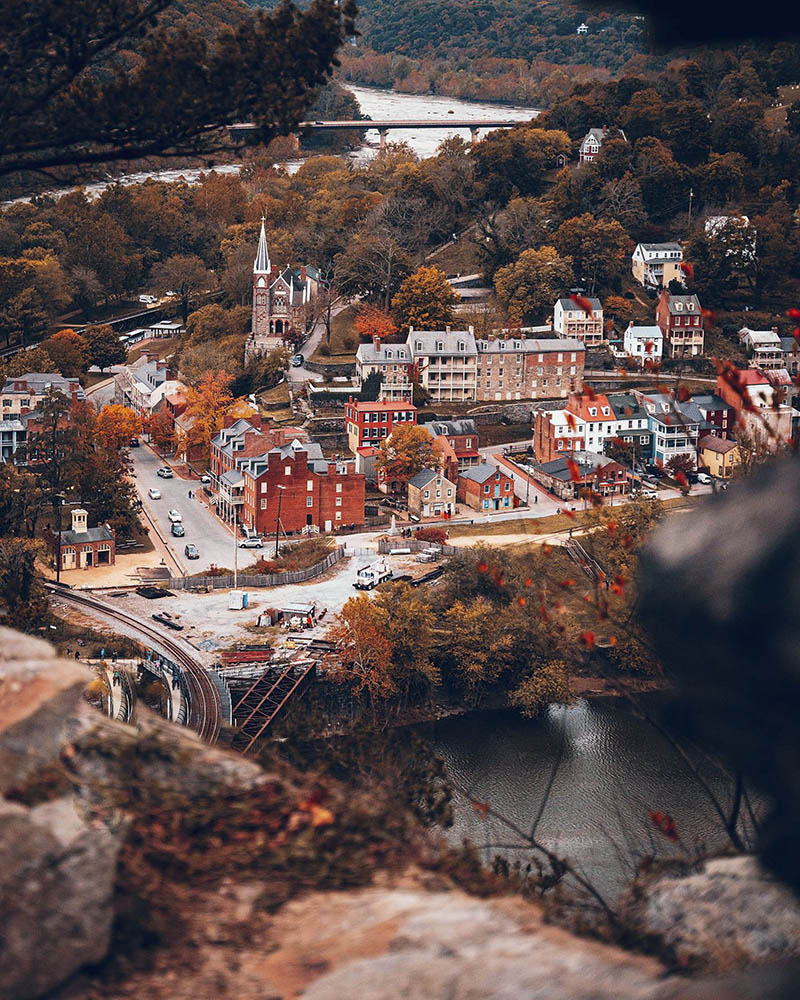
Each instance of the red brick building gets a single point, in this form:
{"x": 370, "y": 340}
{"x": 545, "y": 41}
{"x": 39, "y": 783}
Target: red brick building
{"x": 680, "y": 319}
{"x": 556, "y": 433}
{"x": 308, "y": 490}
{"x": 369, "y": 423}
{"x": 455, "y": 442}
{"x": 82, "y": 547}
{"x": 485, "y": 487}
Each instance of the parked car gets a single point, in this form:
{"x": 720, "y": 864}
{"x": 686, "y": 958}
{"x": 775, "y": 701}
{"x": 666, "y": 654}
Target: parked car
{"x": 154, "y": 494}
{"x": 704, "y": 478}
{"x": 177, "y": 529}
{"x": 134, "y": 442}
{"x": 165, "y": 472}
{"x": 148, "y": 300}
{"x": 251, "y": 543}
{"x": 205, "y": 478}
{"x": 191, "y": 551}
{"x": 174, "y": 515}
{"x": 298, "y": 361}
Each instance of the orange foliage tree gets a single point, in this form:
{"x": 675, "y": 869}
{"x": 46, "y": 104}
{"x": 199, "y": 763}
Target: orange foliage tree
{"x": 209, "y": 403}
{"x": 363, "y": 650}
{"x": 372, "y": 321}
{"x": 407, "y": 451}
{"x": 161, "y": 431}
{"x": 69, "y": 352}
{"x": 116, "y": 425}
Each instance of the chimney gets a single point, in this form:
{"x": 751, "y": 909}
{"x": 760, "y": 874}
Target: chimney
{"x": 303, "y": 272}
{"x": 774, "y": 329}
{"x": 376, "y": 342}
{"x": 79, "y": 519}
{"x": 447, "y": 328}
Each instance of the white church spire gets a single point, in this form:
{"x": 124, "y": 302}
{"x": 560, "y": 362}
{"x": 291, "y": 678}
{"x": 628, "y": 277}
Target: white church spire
{"x": 262, "y": 265}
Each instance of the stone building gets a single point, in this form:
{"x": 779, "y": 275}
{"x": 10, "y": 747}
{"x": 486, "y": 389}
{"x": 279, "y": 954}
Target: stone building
{"x": 431, "y": 493}
{"x": 281, "y": 297}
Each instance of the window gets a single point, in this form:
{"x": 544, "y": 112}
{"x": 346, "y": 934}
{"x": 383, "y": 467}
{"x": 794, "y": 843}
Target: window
{"x": 427, "y": 494}
{"x": 263, "y": 487}
{"x": 338, "y": 501}
{"x": 310, "y": 484}
{"x": 338, "y": 487}
{"x": 449, "y": 493}
{"x": 486, "y": 488}
{"x": 507, "y": 487}
{"x": 263, "y": 504}
{"x": 287, "y": 470}
{"x": 309, "y": 501}
{"x": 338, "y": 515}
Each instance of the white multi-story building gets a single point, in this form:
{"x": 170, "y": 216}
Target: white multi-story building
{"x": 643, "y": 343}
{"x": 571, "y": 319}
{"x": 654, "y": 265}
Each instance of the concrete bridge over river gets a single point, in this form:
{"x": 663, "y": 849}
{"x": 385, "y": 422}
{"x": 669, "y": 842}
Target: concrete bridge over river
{"x": 384, "y": 126}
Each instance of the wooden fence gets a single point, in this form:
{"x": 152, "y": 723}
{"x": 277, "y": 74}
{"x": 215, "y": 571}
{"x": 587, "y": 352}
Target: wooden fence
{"x": 247, "y": 580}
{"x": 385, "y": 545}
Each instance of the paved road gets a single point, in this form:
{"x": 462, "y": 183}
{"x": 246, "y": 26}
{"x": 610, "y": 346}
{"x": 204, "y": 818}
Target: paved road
{"x": 304, "y": 374}
{"x": 203, "y": 528}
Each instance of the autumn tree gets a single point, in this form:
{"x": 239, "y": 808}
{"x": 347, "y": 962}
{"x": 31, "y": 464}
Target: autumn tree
{"x": 407, "y": 451}
{"x": 208, "y": 404}
{"x": 619, "y": 309}
{"x": 75, "y": 78}
{"x": 23, "y": 318}
{"x": 363, "y": 650}
{"x": 266, "y": 370}
{"x": 22, "y": 501}
{"x": 372, "y": 321}
{"x": 680, "y": 465}
{"x": 69, "y": 353}
{"x": 161, "y": 430}
{"x": 115, "y": 427}
{"x": 599, "y": 249}
{"x": 185, "y": 275}
{"x": 104, "y": 346}
{"x": 511, "y": 162}
{"x": 425, "y": 300}
{"x": 529, "y": 287}
{"x": 22, "y": 592}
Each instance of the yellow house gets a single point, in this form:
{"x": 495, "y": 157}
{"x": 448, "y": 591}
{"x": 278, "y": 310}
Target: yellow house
{"x": 718, "y": 455}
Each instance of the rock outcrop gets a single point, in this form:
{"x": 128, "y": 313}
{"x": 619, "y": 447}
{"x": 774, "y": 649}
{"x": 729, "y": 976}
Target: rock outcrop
{"x": 728, "y": 915}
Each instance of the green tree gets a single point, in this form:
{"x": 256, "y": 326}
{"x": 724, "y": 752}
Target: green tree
{"x": 75, "y": 77}
{"x": 599, "y": 249}
{"x": 529, "y": 287}
{"x": 425, "y": 300}
{"x": 24, "y": 319}
{"x": 21, "y": 590}
{"x": 185, "y": 275}
{"x": 104, "y": 346}
{"x": 512, "y": 162}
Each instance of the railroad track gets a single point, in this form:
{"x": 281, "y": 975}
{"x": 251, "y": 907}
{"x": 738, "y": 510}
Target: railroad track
{"x": 205, "y": 703}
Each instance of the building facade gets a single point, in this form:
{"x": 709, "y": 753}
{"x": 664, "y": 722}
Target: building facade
{"x": 308, "y": 493}
{"x": 445, "y": 363}
{"x": 654, "y": 265}
{"x": 431, "y": 494}
{"x": 585, "y": 324}
{"x": 528, "y": 368}
{"x": 763, "y": 347}
{"x": 569, "y": 477}
{"x": 142, "y": 385}
{"x": 485, "y": 487}
{"x": 643, "y": 344}
{"x": 720, "y": 456}
{"x": 392, "y": 362}
{"x": 25, "y": 393}
{"x": 680, "y": 319}
{"x": 369, "y": 423}
{"x": 82, "y": 547}
{"x": 281, "y": 297}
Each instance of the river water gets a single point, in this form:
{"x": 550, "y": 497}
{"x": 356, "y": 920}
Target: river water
{"x": 375, "y": 103}
{"x": 613, "y": 770}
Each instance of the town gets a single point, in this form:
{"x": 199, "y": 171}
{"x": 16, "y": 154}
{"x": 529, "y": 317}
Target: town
{"x": 392, "y": 441}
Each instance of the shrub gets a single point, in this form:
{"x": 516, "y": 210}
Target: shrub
{"x": 438, "y": 536}
{"x": 324, "y": 350}
{"x": 263, "y": 565}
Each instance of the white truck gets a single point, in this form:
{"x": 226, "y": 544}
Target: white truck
{"x": 371, "y": 576}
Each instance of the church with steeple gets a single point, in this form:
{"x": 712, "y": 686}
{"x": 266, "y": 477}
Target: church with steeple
{"x": 280, "y": 298}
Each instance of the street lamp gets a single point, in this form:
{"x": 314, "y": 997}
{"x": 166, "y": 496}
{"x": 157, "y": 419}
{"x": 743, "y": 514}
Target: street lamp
{"x": 278, "y": 519}
{"x": 235, "y": 547}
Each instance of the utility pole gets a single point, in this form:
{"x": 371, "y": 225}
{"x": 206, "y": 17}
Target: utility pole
{"x": 235, "y": 548}
{"x": 278, "y": 518}
{"x": 691, "y": 196}
{"x": 60, "y": 498}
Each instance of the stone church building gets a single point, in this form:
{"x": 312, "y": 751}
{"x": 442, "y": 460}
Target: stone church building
{"x": 280, "y": 298}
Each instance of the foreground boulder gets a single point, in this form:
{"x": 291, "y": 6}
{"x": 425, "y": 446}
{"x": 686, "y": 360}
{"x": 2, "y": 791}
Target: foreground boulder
{"x": 728, "y": 915}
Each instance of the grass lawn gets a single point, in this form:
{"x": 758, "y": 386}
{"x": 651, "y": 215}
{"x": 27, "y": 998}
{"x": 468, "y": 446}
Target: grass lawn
{"x": 275, "y": 396}
{"x": 343, "y": 333}
{"x": 164, "y": 346}
{"x": 457, "y": 258}
{"x": 88, "y": 379}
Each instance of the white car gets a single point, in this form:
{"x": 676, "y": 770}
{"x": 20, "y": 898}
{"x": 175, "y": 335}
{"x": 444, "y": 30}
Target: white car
{"x": 148, "y": 300}
{"x": 154, "y": 494}
{"x": 704, "y": 478}
{"x": 174, "y": 516}
{"x": 254, "y": 542}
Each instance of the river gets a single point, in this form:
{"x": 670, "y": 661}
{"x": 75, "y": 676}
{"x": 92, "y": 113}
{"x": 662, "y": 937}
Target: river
{"x": 375, "y": 103}
{"x": 614, "y": 769}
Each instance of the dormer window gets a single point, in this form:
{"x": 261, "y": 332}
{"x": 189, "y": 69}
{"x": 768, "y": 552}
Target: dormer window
{"x": 502, "y": 345}
{"x": 439, "y": 345}
{"x": 679, "y": 306}
{"x": 461, "y": 345}
{"x": 418, "y": 345}
{"x": 606, "y": 411}
{"x": 592, "y": 411}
